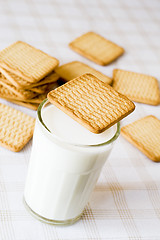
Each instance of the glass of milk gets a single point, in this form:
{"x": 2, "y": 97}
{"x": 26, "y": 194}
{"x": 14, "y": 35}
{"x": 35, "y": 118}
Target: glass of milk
{"x": 66, "y": 161}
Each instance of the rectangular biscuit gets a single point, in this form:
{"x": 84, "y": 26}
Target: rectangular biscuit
{"x": 16, "y": 128}
{"x": 93, "y": 104}
{"x": 136, "y": 86}
{"x": 145, "y": 135}
{"x": 75, "y": 69}
{"x": 27, "y": 62}
{"x": 96, "y": 48}
{"x": 19, "y": 82}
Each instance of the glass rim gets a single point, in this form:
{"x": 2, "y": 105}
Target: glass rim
{"x": 112, "y": 139}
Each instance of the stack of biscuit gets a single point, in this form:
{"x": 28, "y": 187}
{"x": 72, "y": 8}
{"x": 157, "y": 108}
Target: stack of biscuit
{"x": 26, "y": 74}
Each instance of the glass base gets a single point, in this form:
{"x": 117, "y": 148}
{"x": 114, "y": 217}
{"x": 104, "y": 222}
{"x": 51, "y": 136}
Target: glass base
{"x": 50, "y": 221}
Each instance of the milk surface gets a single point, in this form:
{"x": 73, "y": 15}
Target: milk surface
{"x": 61, "y": 176}
{"x": 71, "y": 131}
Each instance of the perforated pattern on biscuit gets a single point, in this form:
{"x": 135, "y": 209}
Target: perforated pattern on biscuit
{"x": 91, "y": 102}
{"x": 16, "y": 128}
{"x": 27, "y": 61}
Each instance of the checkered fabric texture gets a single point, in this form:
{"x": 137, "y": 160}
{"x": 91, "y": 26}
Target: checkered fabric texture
{"x": 125, "y": 203}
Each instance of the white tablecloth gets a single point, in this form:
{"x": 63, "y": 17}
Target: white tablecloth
{"x": 125, "y": 203}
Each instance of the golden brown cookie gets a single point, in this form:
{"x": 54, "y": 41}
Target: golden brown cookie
{"x": 145, "y": 135}
{"x": 95, "y": 105}
{"x": 27, "y": 62}
{"x": 16, "y": 128}
{"x": 137, "y": 87}
{"x": 96, "y": 48}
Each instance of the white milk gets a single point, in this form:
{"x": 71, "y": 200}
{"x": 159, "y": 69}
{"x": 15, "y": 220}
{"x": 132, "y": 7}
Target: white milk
{"x": 64, "y": 167}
